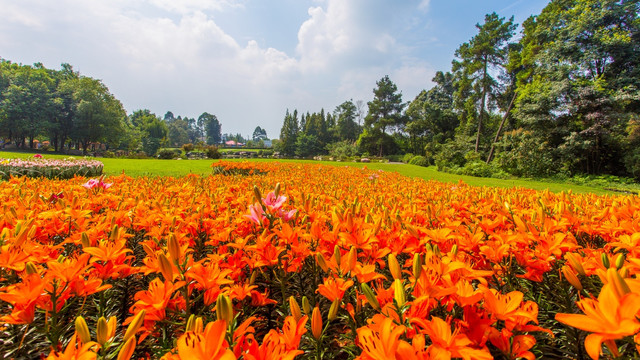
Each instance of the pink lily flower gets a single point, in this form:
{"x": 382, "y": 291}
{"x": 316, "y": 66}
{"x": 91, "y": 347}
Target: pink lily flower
{"x": 274, "y": 203}
{"x": 257, "y": 214}
{"x": 287, "y": 215}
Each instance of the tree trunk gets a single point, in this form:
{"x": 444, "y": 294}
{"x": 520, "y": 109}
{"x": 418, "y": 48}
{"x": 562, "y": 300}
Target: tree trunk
{"x": 504, "y": 118}
{"x": 484, "y": 100}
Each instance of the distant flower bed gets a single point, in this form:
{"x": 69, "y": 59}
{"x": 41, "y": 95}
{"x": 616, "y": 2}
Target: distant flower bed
{"x": 49, "y": 168}
{"x": 238, "y": 168}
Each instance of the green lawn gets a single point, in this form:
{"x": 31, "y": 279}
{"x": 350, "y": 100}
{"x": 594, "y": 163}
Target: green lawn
{"x": 153, "y": 167}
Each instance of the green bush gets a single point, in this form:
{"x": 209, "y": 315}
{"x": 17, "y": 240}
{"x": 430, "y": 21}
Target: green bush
{"x": 212, "y": 152}
{"x": 394, "y": 158}
{"x": 188, "y": 147}
{"x": 477, "y": 168}
{"x": 453, "y": 153}
{"x": 419, "y": 160}
{"x": 167, "y": 154}
{"x": 108, "y": 154}
{"x": 342, "y": 149}
{"x": 407, "y": 157}
{"x": 522, "y": 154}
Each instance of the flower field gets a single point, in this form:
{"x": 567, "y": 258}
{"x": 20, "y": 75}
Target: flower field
{"x": 38, "y": 166}
{"x": 291, "y": 261}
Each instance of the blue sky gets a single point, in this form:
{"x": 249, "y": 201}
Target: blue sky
{"x": 247, "y": 61}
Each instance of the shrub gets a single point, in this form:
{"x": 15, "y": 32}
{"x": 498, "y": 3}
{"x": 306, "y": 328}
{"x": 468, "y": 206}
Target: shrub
{"x": 520, "y": 153}
{"x": 407, "y": 157}
{"x": 167, "y": 154}
{"x": 212, "y": 152}
{"x": 394, "y": 158}
{"x": 342, "y": 149}
{"x": 188, "y": 147}
{"x": 419, "y": 160}
{"x": 108, "y": 154}
{"x": 452, "y": 154}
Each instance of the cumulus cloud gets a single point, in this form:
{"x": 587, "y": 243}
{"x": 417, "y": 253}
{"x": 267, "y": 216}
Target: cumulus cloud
{"x": 173, "y": 55}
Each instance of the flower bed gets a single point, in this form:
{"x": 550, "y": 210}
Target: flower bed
{"x": 50, "y": 168}
{"x": 331, "y": 263}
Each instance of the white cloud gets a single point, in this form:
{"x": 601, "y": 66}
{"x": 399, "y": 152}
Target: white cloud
{"x": 173, "y": 55}
{"x": 187, "y": 6}
{"x": 424, "y": 5}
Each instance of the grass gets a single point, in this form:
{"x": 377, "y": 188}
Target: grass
{"x": 175, "y": 168}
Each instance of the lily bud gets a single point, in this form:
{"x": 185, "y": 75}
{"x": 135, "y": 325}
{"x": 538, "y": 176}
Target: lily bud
{"x": 413, "y": 231}
{"x": 333, "y": 310}
{"x": 253, "y": 277}
{"x": 417, "y": 266}
{"x": 165, "y": 267}
{"x": 620, "y": 261}
{"x": 84, "y": 239}
{"x": 224, "y": 309}
{"x": 577, "y": 266}
{"x": 102, "y": 331}
{"x": 306, "y": 306}
{"x": 150, "y": 253}
{"x": 30, "y": 268}
{"x": 111, "y": 328}
{"x": 316, "y": 323}
{"x": 276, "y": 192}
{"x": 394, "y": 267}
{"x": 198, "y": 327}
{"x": 377, "y": 226}
{"x": 571, "y": 277}
{"x": 336, "y": 254}
{"x": 454, "y": 250}
{"x": 620, "y": 286}
{"x": 322, "y": 262}
{"x": 352, "y": 258}
{"x": 174, "y": 249}
{"x": 257, "y": 194}
{"x": 605, "y": 260}
{"x": 191, "y": 322}
{"x": 398, "y": 293}
{"x": 127, "y": 349}
{"x": 83, "y": 330}
{"x": 295, "y": 308}
{"x": 371, "y": 297}
{"x": 134, "y": 325}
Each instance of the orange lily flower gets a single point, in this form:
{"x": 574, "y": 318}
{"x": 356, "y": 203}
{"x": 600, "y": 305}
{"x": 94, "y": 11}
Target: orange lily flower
{"x": 447, "y": 344}
{"x": 209, "y": 345}
{"x": 608, "y": 318}
{"x": 334, "y": 288}
{"x": 75, "y": 350}
{"x": 380, "y": 340}
{"x": 156, "y": 299}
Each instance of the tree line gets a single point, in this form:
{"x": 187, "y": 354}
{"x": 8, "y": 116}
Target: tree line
{"x": 75, "y": 111}
{"x": 560, "y": 97}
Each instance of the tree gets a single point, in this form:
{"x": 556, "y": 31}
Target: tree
{"x": 212, "y": 127}
{"x": 385, "y": 112}
{"x": 584, "y": 81}
{"x": 346, "y": 126}
{"x": 289, "y": 133}
{"x": 168, "y": 116}
{"x": 430, "y": 115}
{"x": 259, "y": 134}
{"x": 154, "y": 134}
{"x": 63, "y": 106}
{"x": 178, "y": 132}
{"x": 475, "y": 61}
{"x": 98, "y": 115}
{"x": 26, "y": 102}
